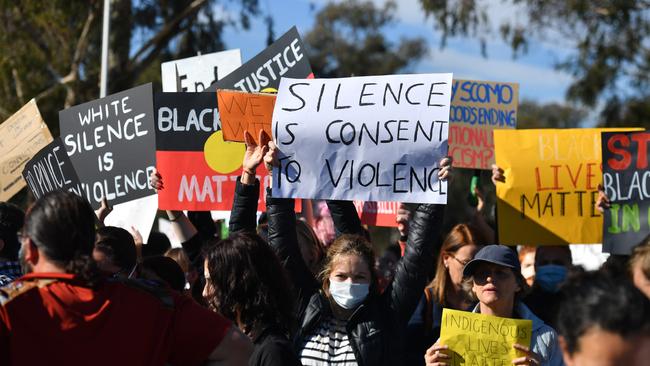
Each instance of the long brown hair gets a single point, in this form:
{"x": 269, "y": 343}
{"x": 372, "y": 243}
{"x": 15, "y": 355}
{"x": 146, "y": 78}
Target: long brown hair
{"x": 459, "y": 236}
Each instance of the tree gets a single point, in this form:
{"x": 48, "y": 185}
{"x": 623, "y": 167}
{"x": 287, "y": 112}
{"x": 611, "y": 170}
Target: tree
{"x": 552, "y": 115}
{"x": 348, "y": 39}
{"x": 610, "y": 39}
{"x": 50, "y": 50}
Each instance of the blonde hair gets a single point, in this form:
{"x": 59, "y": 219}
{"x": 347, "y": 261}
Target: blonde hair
{"x": 349, "y": 245}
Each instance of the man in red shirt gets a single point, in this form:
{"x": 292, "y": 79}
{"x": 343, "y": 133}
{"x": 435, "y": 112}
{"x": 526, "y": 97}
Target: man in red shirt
{"x": 64, "y": 312}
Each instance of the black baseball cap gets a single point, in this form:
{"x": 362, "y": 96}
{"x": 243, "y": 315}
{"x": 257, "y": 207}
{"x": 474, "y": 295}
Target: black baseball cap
{"x": 497, "y": 254}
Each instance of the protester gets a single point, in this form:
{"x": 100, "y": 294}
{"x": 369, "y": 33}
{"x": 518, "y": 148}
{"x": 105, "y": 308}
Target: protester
{"x": 527, "y": 260}
{"x": 190, "y": 274}
{"x": 385, "y": 266}
{"x": 552, "y": 263}
{"x": 115, "y": 251}
{"x": 494, "y": 277}
{"x": 640, "y": 266}
{"x": 64, "y": 312}
{"x": 163, "y": 271}
{"x": 603, "y": 321}
{"x": 444, "y": 291}
{"x": 11, "y": 222}
{"x": 311, "y": 248}
{"x": 245, "y": 281}
{"x": 343, "y": 319}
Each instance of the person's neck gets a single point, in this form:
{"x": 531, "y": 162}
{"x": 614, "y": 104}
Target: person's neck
{"x": 47, "y": 267}
{"x": 497, "y": 309}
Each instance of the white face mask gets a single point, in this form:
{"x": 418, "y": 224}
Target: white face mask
{"x": 348, "y": 295}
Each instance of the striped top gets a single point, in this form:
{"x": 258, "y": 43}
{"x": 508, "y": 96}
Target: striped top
{"x": 328, "y": 345}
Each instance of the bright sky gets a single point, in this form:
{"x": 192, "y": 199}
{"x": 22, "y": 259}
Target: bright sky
{"x": 534, "y": 71}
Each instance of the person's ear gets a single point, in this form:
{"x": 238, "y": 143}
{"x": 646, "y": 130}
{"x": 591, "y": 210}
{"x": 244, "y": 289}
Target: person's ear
{"x": 445, "y": 260}
{"x": 2, "y": 244}
{"x": 31, "y": 251}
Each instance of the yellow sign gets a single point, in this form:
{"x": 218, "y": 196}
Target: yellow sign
{"x": 477, "y": 339}
{"x": 552, "y": 179}
{"x": 21, "y": 137}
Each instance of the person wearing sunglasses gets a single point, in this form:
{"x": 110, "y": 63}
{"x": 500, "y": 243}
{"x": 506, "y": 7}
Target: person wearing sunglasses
{"x": 444, "y": 291}
{"x": 494, "y": 278}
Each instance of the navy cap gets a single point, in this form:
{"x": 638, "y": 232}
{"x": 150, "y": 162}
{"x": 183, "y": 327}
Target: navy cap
{"x": 497, "y": 254}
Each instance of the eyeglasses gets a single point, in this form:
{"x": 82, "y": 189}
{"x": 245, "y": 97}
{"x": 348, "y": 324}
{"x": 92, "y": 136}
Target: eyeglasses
{"x": 462, "y": 263}
{"x": 481, "y": 275}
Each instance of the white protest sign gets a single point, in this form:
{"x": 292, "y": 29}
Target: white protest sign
{"x": 195, "y": 74}
{"x": 372, "y": 138}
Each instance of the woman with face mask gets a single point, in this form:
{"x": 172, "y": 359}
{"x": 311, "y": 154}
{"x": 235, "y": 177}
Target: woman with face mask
{"x": 343, "y": 319}
{"x": 494, "y": 278}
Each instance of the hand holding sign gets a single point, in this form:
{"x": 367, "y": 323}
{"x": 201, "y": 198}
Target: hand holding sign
{"x": 253, "y": 156}
{"x": 436, "y": 356}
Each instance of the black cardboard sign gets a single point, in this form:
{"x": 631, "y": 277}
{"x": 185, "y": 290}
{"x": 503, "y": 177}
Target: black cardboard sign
{"x": 50, "y": 170}
{"x": 286, "y": 57}
{"x": 112, "y": 144}
{"x": 626, "y": 178}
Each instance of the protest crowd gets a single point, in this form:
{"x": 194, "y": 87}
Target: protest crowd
{"x": 294, "y": 276}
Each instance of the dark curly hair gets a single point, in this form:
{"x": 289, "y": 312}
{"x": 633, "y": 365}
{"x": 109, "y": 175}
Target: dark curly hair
{"x": 248, "y": 279}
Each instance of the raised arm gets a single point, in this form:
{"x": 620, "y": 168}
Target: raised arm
{"x": 284, "y": 240}
{"x": 247, "y": 191}
{"x": 422, "y": 246}
{"x": 345, "y": 217}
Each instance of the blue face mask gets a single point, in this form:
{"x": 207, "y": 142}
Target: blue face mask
{"x": 550, "y": 276}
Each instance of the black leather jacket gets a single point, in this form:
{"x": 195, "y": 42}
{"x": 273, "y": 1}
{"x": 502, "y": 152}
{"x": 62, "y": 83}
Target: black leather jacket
{"x": 377, "y": 327}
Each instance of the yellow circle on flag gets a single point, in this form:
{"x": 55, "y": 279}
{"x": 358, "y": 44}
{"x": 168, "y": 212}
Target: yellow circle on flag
{"x": 222, "y": 156}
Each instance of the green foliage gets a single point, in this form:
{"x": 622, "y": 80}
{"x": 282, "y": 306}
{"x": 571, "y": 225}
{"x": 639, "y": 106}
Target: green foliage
{"x": 51, "y": 50}
{"x": 553, "y": 115}
{"x": 610, "y": 40}
{"x": 348, "y": 39}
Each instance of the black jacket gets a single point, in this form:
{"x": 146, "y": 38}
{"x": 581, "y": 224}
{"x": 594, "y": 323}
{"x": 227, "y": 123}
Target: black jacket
{"x": 377, "y": 327}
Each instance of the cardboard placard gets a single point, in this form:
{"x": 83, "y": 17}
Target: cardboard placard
{"x": 50, "y": 170}
{"x": 477, "y": 108}
{"x": 551, "y": 186}
{"x": 199, "y": 168}
{"x": 241, "y": 112}
{"x": 374, "y": 138}
{"x": 111, "y": 142}
{"x": 626, "y": 180}
{"x": 477, "y": 339}
{"x": 21, "y": 136}
{"x": 284, "y": 58}
{"x": 195, "y": 74}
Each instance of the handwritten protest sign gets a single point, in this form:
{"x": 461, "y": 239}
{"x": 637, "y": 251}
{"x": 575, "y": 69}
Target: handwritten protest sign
{"x": 111, "y": 142}
{"x": 199, "y": 168}
{"x": 551, "y": 186}
{"x": 284, "y": 58}
{"x": 241, "y": 112}
{"x": 375, "y": 138}
{"x": 21, "y": 136}
{"x": 626, "y": 179}
{"x": 477, "y": 339}
{"x": 195, "y": 74}
{"x": 50, "y": 170}
{"x": 478, "y": 107}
